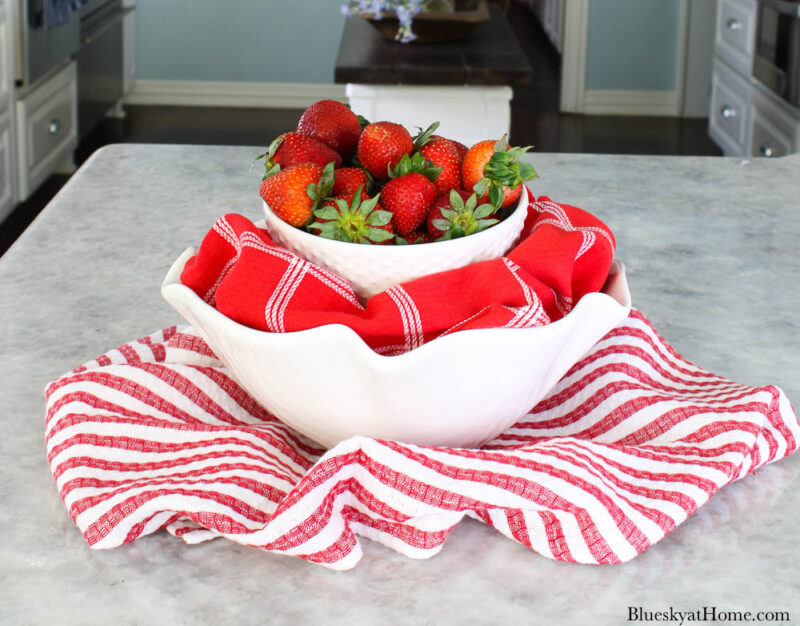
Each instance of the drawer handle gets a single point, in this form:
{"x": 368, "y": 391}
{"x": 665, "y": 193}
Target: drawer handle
{"x": 766, "y": 150}
{"x": 733, "y": 24}
{"x": 54, "y": 126}
{"x": 727, "y": 111}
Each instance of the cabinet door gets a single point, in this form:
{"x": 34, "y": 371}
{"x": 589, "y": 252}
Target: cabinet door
{"x": 729, "y": 110}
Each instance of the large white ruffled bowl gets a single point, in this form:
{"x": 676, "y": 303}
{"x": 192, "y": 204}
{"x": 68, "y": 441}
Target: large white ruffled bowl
{"x": 371, "y": 269}
{"x": 459, "y": 390}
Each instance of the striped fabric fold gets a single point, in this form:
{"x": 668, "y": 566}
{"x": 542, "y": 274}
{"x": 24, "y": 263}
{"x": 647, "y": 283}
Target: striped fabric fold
{"x": 155, "y": 434}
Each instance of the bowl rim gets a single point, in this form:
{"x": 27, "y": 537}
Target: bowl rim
{"x": 615, "y": 294}
{"x": 324, "y": 242}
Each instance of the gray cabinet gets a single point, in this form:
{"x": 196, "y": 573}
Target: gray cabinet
{"x": 745, "y": 118}
{"x": 7, "y": 153}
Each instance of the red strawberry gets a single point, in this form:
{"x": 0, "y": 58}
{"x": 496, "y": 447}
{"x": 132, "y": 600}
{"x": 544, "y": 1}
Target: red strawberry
{"x": 332, "y": 123}
{"x": 408, "y": 198}
{"x": 293, "y": 148}
{"x": 456, "y": 214}
{"x": 294, "y": 193}
{"x": 443, "y": 153}
{"x": 494, "y": 171}
{"x": 462, "y": 149}
{"x": 356, "y": 220}
{"x": 381, "y": 146}
{"x": 347, "y": 180}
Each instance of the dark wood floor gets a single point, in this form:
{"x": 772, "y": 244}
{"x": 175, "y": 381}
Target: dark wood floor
{"x": 535, "y": 120}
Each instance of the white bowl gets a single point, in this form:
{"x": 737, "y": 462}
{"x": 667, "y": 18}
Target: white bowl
{"x": 459, "y": 390}
{"x": 371, "y": 269}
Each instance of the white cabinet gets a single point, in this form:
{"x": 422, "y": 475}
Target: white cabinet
{"x": 47, "y": 127}
{"x": 745, "y": 118}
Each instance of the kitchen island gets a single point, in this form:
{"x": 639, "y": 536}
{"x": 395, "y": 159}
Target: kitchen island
{"x": 710, "y": 249}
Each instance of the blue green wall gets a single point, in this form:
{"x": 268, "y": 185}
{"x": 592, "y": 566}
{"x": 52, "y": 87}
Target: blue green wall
{"x": 632, "y": 44}
{"x": 238, "y": 40}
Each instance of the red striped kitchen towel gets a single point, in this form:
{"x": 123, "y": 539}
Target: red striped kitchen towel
{"x": 564, "y": 253}
{"x": 156, "y": 435}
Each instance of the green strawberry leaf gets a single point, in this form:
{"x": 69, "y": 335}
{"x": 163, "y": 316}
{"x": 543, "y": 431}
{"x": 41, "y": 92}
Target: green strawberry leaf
{"x": 379, "y": 218}
{"x": 424, "y": 136}
{"x": 496, "y": 196}
{"x": 484, "y": 224}
{"x": 326, "y": 213}
{"x": 527, "y": 172}
{"x": 363, "y": 121}
{"x": 484, "y": 210}
{"x": 456, "y": 231}
{"x": 441, "y": 224}
{"x": 469, "y": 207}
{"x": 378, "y": 235}
{"x": 481, "y": 186}
{"x": 456, "y": 201}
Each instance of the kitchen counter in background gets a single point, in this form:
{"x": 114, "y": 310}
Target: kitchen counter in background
{"x": 710, "y": 247}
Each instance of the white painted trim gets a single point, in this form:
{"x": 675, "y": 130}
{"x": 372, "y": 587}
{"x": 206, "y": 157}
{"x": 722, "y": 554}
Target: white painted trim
{"x": 573, "y": 59}
{"x": 625, "y": 102}
{"x": 682, "y": 46}
{"x": 232, "y": 94}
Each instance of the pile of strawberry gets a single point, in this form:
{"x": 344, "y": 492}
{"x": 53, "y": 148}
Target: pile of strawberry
{"x": 343, "y": 178}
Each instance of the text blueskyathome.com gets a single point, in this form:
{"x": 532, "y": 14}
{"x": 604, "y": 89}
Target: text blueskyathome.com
{"x": 706, "y": 614}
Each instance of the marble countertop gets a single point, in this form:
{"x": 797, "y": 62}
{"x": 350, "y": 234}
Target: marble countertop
{"x": 711, "y": 250}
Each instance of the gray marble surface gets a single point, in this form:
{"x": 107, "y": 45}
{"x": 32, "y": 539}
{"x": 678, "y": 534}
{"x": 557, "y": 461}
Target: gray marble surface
{"x": 711, "y": 250}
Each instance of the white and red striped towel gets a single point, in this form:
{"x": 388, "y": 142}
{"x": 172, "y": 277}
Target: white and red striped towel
{"x": 634, "y": 439}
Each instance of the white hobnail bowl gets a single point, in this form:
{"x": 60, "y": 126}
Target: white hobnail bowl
{"x": 459, "y": 390}
{"x": 371, "y": 269}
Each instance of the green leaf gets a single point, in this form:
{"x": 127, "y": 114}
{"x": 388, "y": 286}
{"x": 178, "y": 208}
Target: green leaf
{"x": 484, "y": 224}
{"x": 425, "y": 136}
{"x": 456, "y": 201}
{"x": 481, "y": 186}
{"x": 457, "y": 231}
{"x": 502, "y": 144}
{"x": 400, "y": 241}
{"x": 363, "y": 121}
{"x": 471, "y": 202}
{"x": 484, "y": 210}
{"x": 441, "y": 224}
{"x": 273, "y": 147}
{"x": 326, "y": 213}
{"x": 367, "y": 206}
{"x": 311, "y": 191}
{"x": 527, "y": 172}
{"x": 357, "y": 198}
{"x": 449, "y": 214}
{"x": 379, "y": 218}
{"x": 496, "y": 196}
{"x": 378, "y": 234}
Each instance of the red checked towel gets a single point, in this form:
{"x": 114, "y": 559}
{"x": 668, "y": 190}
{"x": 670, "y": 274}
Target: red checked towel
{"x": 632, "y": 441}
{"x": 563, "y": 254}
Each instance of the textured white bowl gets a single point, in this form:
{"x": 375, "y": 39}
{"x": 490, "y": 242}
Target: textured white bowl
{"x": 459, "y": 390}
{"x": 371, "y": 269}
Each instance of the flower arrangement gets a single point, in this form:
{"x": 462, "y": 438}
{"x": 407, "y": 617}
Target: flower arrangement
{"x": 405, "y": 10}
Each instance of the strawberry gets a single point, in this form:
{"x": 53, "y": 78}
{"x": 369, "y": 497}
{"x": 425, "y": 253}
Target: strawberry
{"x": 456, "y": 214}
{"x": 347, "y": 180}
{"x": 294, "y": 193}
{"x": 443, "y": 153}
{"x": 293, "y": 148}
{"x": 460, "y": 147}
{"x": 493, "y": 170}
{"x": 408, "y": 198}
{"x": 334, "y": 124}
{"x": 381, "y": 146}
{"x": 357, "y": 220}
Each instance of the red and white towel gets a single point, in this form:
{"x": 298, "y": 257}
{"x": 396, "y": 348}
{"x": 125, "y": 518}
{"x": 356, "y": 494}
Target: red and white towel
{"x": 563, "y": 254}
{"x": 155, "y": 434}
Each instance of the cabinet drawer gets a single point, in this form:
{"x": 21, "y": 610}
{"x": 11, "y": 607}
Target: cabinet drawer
{"x": 773, "y": 132}
{"x": 728, "y": 117}
{"x": 736, "y": 33}
{"x": 46, "y": 129}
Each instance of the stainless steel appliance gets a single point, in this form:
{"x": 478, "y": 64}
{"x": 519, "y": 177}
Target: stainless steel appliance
{"x": 39, "y": 50}
{"x": 776, "y": 62}
{"x": 100, "y": 61}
